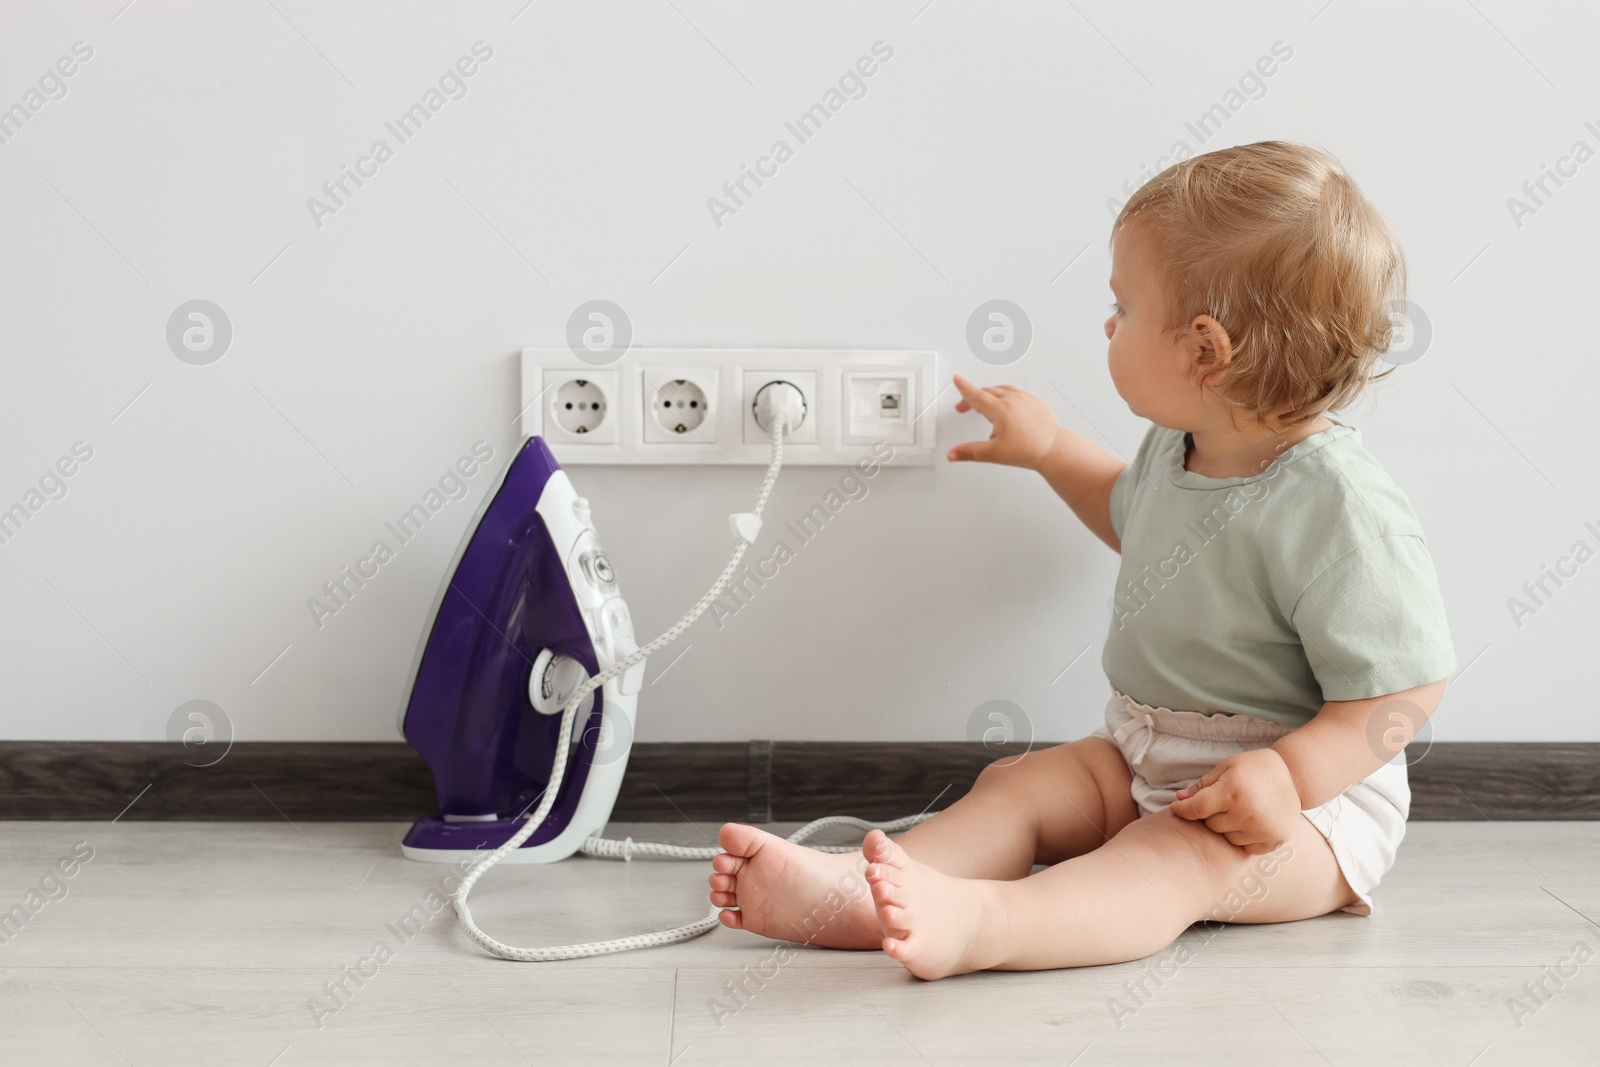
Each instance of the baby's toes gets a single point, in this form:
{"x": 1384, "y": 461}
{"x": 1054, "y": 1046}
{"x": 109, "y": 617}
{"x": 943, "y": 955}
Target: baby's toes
{"x": 877, "y": 848}
{"x": 722, "y": 890}
{"x": 887, "y": 892}
{"x": 741, "y": 840}
{"x": 894, "y": 920}
{"x": 883, "y": 874}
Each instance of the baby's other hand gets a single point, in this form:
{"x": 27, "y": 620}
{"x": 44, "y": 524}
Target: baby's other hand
{"x": 1249, "y": 798}
{"x": 1024, "y": 427}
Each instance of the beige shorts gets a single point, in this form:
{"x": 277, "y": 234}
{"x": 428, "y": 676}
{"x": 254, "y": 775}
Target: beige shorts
{"x": 1167, "y": 750}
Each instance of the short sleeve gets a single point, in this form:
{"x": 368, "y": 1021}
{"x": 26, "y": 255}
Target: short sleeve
{"x": 1119, "y": 498}
{"x": 1373, "y": 622}
{"x": 1122, "y": 488}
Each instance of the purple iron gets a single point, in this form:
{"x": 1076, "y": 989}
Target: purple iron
{"x": 528, "y": 632}
{"x": 528, "y": 612}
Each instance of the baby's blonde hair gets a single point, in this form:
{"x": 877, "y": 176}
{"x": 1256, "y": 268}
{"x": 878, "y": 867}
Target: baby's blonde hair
{"x": 1275, "y": 241}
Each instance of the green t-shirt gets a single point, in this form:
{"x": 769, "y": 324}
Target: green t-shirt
{"x": 1271, "y": 594}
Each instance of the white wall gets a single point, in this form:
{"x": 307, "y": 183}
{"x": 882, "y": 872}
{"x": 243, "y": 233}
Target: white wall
{"x": 381, "y": 345}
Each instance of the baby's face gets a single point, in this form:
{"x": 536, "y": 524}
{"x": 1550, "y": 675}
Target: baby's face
{"x": 1149, "y": 366}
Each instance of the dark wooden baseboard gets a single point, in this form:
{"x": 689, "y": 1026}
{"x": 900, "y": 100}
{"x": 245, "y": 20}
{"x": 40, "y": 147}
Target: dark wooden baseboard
{"x": 756, "y": 781}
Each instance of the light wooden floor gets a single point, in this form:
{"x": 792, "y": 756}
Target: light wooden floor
{"x": 203, "y": 943}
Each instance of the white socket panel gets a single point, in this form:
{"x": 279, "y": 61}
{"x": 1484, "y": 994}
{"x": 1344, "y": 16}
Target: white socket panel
{"x": 849, "y": 410}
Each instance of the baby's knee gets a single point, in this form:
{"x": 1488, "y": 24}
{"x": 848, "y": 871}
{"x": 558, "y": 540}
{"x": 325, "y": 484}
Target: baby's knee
{"x": 1021, "y": 778}
{"x": 1007, "y": 774}
{"x": 1228, "y": 883}
{"x": 1199, "y": 858}
{"x": 1040, "y": 775}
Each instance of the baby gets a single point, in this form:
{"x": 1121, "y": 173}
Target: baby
{"x": 1277, "y": 634}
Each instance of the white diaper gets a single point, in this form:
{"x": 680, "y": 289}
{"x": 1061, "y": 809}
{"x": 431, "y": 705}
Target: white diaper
{"x": 1168, "y": 750}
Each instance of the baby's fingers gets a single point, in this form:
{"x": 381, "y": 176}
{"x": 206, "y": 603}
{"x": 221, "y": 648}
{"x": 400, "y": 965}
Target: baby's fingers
{"x": 973, "y": 398}
{"x": 1209, "y": 778}
{"x": 1199, "y": 805}
{"x": 971, "y": 450}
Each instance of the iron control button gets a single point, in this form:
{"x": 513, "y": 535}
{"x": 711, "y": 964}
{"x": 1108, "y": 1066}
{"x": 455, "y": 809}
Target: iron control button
{"x": 618, "y": 623}
{"x": 596, "y": 570}
{"x": 553, "y": 680}
{"x": 618, "y": 626}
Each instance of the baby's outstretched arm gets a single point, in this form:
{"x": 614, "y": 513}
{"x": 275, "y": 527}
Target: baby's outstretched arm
{"x": 1252, "y": 798}
{"x": 1025, "y": 434}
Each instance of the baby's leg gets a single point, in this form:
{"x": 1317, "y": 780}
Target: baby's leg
{"x": 1121, "y": 902}
{"x": 1040, "y": 808}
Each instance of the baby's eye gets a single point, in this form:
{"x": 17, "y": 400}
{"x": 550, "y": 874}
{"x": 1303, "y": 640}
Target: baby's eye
{"x": 1116, "y": 309}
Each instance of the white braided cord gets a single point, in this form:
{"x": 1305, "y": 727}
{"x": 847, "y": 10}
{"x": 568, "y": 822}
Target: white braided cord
{"x": 627, "y": 848}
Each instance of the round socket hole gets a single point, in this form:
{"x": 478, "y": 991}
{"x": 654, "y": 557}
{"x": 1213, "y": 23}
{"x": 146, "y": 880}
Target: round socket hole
{"x": 580, "y": 406}
{"x": 680, "y": 406}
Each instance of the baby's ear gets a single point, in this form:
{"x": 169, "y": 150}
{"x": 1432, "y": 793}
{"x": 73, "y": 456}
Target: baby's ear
{"x": 1209, "y": 347}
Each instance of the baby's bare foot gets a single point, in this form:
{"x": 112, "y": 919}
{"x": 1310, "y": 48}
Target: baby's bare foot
{"x": 788, "y": 891}
{"x": 934, "y": 924}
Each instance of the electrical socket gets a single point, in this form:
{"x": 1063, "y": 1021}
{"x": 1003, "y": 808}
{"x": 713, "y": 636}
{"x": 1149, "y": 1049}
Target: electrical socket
{"x": 569, "y": 397}
{"x": 580, "y": 406}
{"x": 751, "y": 383}
{"x": 680, "y": 405}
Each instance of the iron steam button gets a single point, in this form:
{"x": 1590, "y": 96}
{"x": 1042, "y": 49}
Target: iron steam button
{"x": 618, "y": 623}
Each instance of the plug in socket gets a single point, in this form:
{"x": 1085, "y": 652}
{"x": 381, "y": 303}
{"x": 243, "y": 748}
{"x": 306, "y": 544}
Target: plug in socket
{"x": 750, "y": 385}
{"x": 777, "y": 398}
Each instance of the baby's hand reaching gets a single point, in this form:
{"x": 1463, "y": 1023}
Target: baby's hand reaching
{"x": 1024, "y": 427}
{"x": 1249, "y": 798}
